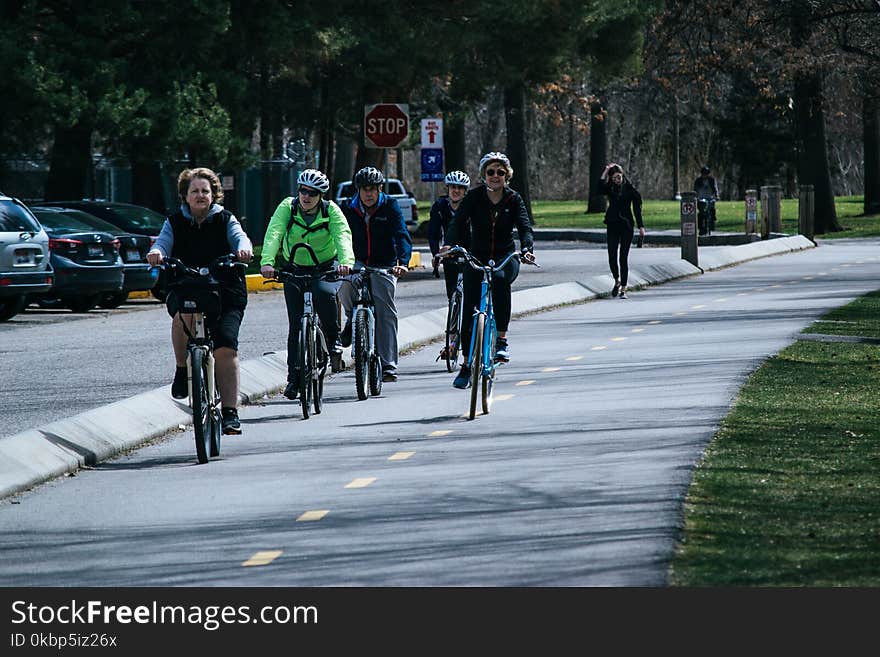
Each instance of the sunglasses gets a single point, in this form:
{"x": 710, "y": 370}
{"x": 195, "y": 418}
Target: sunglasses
{"x": 496, "y": 172}
{"x": 305, "y": 191}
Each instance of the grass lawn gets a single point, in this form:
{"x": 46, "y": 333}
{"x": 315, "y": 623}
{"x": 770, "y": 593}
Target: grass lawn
{"x": 666, "y": 215}
{"x": 788, "y": 492}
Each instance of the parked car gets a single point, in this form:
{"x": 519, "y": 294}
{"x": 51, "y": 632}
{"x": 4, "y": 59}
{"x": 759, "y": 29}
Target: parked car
{"x": 131, "y": 218}
{"x": 137, "y": 272}
{"x": 87, "y": 266}
{"x": 25, "y": 266}
{"x": 394, "y": 188}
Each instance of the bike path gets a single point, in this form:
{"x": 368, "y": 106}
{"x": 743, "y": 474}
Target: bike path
{"x": 61, "y": 447}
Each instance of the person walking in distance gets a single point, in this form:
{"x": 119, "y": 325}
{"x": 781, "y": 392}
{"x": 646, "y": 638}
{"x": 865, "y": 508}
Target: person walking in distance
{"x": 308, "y": 218}
{"x": 197, "y": 234}
{"x": 623, "y": 214}
{"x": 484, "y": 225}
{"x": 380, "y": 239}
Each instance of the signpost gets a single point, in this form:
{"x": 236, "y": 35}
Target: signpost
{"x": 432, "y": 151}
{"x": 689, "y": 228}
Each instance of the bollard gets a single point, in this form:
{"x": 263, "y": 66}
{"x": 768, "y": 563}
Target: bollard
{"x": 806, "y": 211}
{"x": 751, "y": 211}
{"x": 771, "y": 209}
{"x": 689, "y": 227}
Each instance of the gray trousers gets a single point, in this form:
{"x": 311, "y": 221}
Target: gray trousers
{"x": 386, "y": 314}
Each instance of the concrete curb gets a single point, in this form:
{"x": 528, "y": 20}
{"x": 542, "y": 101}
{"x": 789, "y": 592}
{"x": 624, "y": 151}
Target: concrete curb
{"x": 38, "y": 455}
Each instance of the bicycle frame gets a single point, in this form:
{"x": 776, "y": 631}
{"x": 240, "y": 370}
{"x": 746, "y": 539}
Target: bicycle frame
{"x": 367, "y": 366}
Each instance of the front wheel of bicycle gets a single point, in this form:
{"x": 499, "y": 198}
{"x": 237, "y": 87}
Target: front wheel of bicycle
{"x": 453, "y": 331}
{"x": 306, "y": 363}
{"x": 201, "y": 410}
{"x": 361, "y": 354}
{"x": 476, "y": 364}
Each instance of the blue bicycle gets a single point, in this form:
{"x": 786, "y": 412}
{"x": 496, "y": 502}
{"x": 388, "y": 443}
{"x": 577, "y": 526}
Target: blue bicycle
{"x": 482, "y": 361}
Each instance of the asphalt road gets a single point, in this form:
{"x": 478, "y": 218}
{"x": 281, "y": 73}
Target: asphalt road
{"x": 576, "y": 478}
{"x": 56, "y": 364}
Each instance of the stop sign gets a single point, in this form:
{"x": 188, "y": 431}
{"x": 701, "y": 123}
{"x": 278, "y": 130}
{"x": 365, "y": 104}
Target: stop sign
{"x": 386, "y": 125}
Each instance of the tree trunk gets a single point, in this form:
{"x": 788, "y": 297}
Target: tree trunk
{"x": 598, "y": 155}
{"x": 813, "y": 168}
{"x": 871, "y": 145}
{"x": 70, "y": 164}
{"x": 454, "y": 142}
{"x": 343, "y": 162}
{"x": 517, "y": 146}
{"x": 676, "y": 146}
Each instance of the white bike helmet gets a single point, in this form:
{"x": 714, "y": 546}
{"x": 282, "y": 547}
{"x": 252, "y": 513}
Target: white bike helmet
{"x": 313, "y": 178}
{"x": 457, "y": 178}
{"x": 495, "y": 156}
{"x": 368, "y": 176}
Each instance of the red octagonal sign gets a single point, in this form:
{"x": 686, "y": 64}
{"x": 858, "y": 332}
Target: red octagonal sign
{"x": 386, "y": 125}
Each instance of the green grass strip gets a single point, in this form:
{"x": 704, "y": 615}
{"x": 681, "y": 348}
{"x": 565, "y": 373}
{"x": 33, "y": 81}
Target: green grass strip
{"x": 788, "y": 492}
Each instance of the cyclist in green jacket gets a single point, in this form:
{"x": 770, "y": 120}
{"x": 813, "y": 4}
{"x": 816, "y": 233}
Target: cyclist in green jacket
{"x": 322, "y": 225}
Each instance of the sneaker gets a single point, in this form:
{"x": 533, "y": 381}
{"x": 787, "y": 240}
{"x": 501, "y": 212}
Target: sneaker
{"x": 463, "y": 380}
{"x": 180, "y": 386}
{"x": 345, "y": 335}
{"x": 615, "y": 289}
{"x": 231, "y": 425}
{"x": 292, "y": 390}
{"x": 502, "y": 350}
{"x": 623, "y": 293}
{"x": 389, "y": 376}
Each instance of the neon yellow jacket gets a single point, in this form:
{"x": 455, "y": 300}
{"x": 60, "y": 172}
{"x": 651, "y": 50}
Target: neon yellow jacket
{"x": 329, "y": 235}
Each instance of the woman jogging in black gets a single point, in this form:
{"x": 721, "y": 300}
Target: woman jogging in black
{"x": 624, "y": 204}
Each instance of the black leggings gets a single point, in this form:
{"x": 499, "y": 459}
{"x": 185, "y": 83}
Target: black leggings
{"x": 620, "y": 237}
{"x": 324, "y": 300}
{"x": 501, "y": 282}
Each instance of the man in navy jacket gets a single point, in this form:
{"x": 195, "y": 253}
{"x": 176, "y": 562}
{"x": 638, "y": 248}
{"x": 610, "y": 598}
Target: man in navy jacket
{"x": 380, "y": 239}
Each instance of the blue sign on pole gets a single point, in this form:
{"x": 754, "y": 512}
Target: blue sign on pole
{"x": 432, "y": 164}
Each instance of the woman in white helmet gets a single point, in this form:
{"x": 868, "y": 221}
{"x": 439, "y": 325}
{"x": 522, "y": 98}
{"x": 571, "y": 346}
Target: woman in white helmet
{"x": 457, "y": 183}
{"x": 320, "y": 223}
{"x": 484, "y": 225}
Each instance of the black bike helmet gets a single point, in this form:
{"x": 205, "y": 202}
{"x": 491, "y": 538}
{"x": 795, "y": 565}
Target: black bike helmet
{"x": 705, "y": 171}
{"x": 368, "y": 176}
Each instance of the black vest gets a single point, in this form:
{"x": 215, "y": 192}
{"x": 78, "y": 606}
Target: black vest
{"x": 197, "y": 245}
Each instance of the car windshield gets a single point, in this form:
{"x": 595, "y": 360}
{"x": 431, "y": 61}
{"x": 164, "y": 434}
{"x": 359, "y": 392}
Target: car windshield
{"x": 15, "y": 219}
{"x": 136, "y": 219}
{"x": 72, "y": 221}
{"x": 347, "y": 191}
{"x": 394, "y": 188}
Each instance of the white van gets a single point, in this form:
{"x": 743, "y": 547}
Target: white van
{"x": 394, "y": 188}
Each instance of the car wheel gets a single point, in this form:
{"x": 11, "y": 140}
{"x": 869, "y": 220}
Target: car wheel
{"x": 82, "y": 304}
{"x": 11, "y": 306}
{"x": 113, "y": 300}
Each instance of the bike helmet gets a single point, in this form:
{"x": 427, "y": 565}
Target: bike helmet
{"x": 368, "y": 176}
{"x": 457, "y": 178}
{"x": 313, "y": 178}
{"x": 705, "y": 171}
{"x": 495, "y": 156}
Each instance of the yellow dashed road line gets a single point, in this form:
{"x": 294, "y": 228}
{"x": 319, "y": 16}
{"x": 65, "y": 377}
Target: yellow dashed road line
{"x": 440, "y": 432}
{"x": 551, "y": 369}
{"x": 527, "y": 382}
{"x": 572, "y": 358}
{"x": 505, "y": 397}
{"x": 637, "y": 330}
{"x": 599, "y": 347}
{"x": 309, "y": 516}
{"x": 400, "y": 456}
{"x": 262, "y": 558}
{"x": 617, "y": 339}
{"x": 361, "y": 482}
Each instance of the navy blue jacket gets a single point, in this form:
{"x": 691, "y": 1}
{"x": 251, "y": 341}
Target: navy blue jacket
{"x": 438, "y": 224}
{"x": 382, "y": 240}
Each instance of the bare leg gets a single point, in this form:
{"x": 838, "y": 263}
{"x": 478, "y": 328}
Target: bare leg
{"x": 227, "y": 372}
{"x": 179, "y": 338}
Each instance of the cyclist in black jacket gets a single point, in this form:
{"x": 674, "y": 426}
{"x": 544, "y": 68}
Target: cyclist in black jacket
{"x": 457, "y": 183}
{"x": 624, "y": 211}
{"x": 484, "y": 225}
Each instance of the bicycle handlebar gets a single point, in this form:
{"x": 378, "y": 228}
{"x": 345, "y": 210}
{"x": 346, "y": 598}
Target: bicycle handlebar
{"x": 172, "y": 264}
{"x": 366, "y": 269}
{"x": 461, "y": 252}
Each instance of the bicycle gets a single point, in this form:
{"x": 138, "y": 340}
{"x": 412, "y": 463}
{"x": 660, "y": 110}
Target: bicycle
{"x": 198, "y": 294}
{"x": 452, "y": 348}
{"x": 313, "y": 354}
{"x": 706, "y": 215}
{"x": 482, "y": 362}
{"x": 367, "y": 366}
